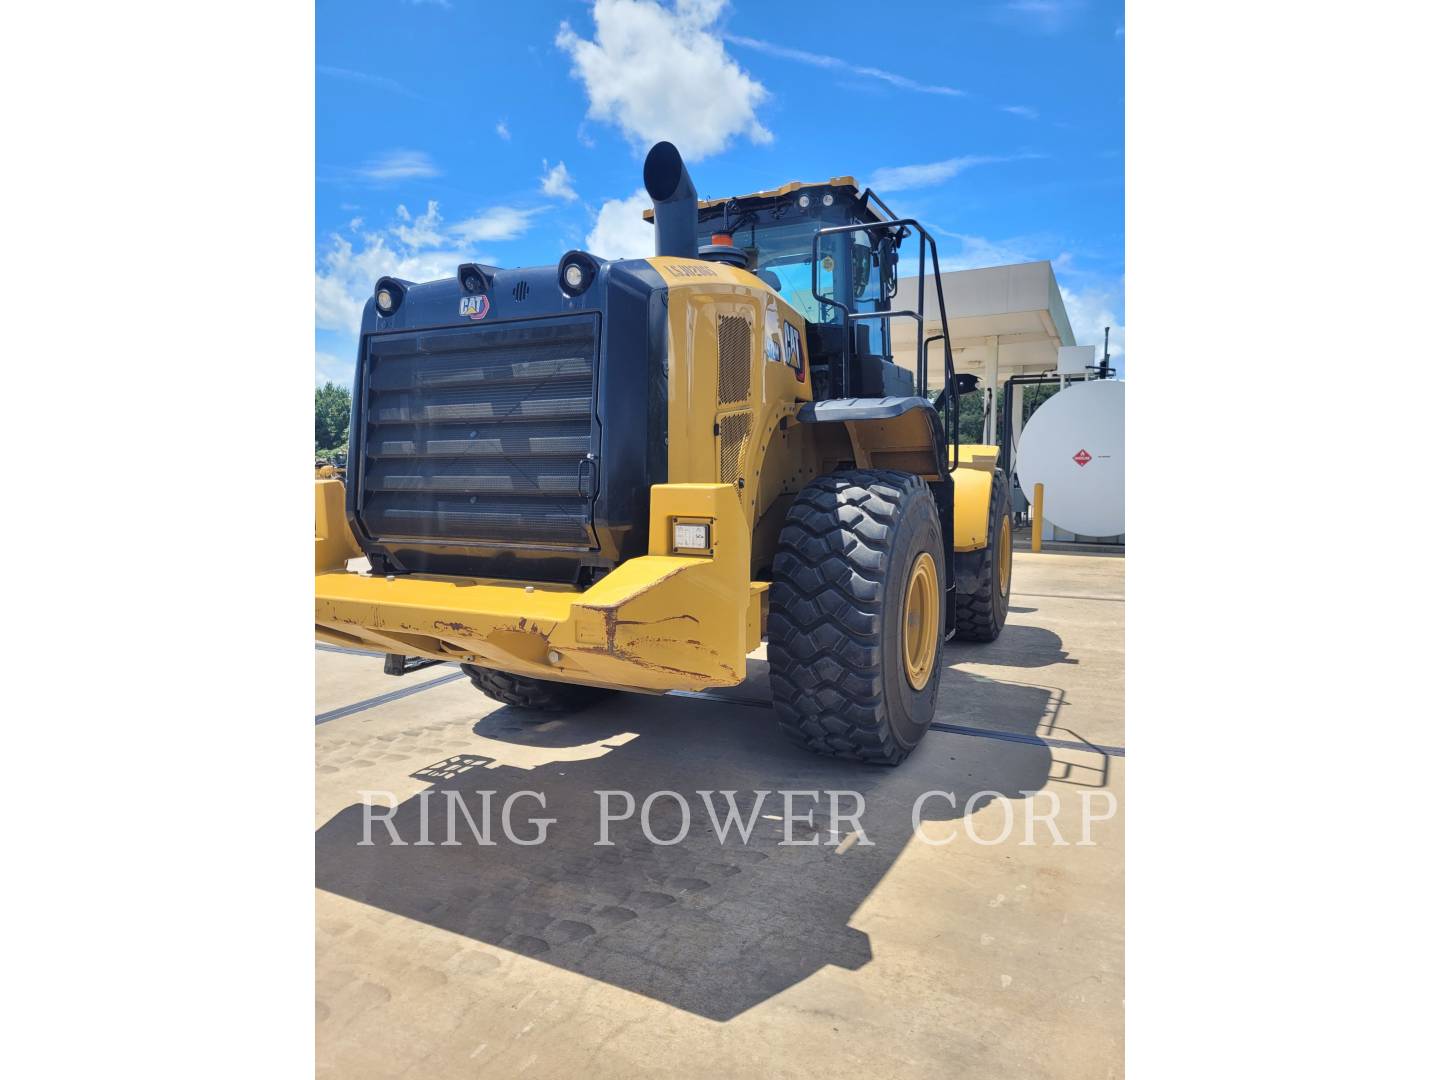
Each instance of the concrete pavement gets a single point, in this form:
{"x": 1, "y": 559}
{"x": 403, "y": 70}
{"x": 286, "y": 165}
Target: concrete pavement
{"x": 986, "y": 956}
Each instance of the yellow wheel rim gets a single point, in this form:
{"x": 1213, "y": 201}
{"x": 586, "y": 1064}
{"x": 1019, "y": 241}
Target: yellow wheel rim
{"x": 1005, "y": 546}
{"x": 920, "y": 621}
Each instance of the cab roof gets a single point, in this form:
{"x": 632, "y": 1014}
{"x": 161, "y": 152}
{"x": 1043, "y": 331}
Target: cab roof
{"x": 845, "y": 184}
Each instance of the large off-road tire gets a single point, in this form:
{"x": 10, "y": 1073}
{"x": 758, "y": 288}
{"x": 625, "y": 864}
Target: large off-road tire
{"x": 538, "y": 695}
{"x": 855, "y": 615}
{"x": 982, "y": 578}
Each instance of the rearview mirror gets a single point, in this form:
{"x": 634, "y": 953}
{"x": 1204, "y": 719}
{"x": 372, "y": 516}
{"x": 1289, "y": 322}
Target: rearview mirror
{"x": 963, "y": 384}
{"x": 889, "y": 259}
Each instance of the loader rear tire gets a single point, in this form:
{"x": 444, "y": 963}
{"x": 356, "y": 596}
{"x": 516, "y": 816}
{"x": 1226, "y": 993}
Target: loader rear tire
{"x": 537, "y": 695}
{"x": 982, "y": 578}
{"x": 856, "y": 620}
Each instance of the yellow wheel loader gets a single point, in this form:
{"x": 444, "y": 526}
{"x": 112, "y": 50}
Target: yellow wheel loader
{"x": 624, "y": 475}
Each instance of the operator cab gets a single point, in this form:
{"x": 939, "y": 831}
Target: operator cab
{"x": 773, "y": 235}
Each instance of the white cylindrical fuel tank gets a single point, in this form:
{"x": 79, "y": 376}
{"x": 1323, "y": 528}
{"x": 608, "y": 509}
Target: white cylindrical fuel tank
{"x": 1075, "y": 446}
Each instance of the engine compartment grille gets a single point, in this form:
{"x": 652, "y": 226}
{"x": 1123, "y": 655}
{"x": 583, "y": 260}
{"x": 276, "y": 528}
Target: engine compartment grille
{"x": 734, "y": 434}
{"x": 733, "y": 334}
{"x": 482, "y": 434}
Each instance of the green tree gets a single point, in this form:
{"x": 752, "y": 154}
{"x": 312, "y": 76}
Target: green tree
{"x": 972, "y": 408}
{"x": 332, "y": 417}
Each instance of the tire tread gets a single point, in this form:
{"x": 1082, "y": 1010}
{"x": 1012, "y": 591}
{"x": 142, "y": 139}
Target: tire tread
{"x": 537, "y": 695}
{"x": 826, "y": 624}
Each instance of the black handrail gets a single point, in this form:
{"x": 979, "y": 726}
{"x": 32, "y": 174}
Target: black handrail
{"x": 952, "y": 414}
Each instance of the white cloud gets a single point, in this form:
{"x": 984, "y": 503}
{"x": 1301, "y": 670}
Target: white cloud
{"x": 1021, "y": 110}
{"x": 399, "y": 165}
{"x": 620, "y": 232}
{"x": 834, "y": 63}
{"x": 1091, "y": 310}
{"x": 973, "y": 252}
{"x": 379, "y": 81}
{"x": 902, "y": 177}
{"x": 497, "y": 223}
{"x": 661, "y": 73}
{"x": 332, "y": 368}
{"x": 1043, "y": 16}
{"x": 557, "y": 182}
{"x": 413, "y": 248}
{"x": 419, "y": 232}
{"x": 503, "y": 130}
{"x": 355, "y": 223}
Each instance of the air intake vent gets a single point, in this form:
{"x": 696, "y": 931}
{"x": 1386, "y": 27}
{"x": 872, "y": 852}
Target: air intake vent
{"x": 734, "y": 375}
{"x": 521, "y": 290}
{"x": 734, "y": 434}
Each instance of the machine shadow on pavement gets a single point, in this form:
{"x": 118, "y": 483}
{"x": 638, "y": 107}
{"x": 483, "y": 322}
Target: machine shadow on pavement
{"x": 707, "y": 926}
{"x": 1020, "y": 646}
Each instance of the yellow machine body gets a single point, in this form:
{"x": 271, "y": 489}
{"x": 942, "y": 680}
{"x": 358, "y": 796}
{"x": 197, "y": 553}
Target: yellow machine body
{"x": 736, "y": 457}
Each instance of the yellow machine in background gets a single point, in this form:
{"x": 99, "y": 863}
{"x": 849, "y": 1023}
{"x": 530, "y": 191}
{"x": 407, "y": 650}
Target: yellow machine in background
{"x": 624, "y": 475}
{"x": 333, "y": 469}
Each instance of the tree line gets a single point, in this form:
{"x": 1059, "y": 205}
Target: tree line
{"x": 332, "y": 419}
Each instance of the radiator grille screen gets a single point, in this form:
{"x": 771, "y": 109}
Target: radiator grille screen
{"x": 479, "y": 435}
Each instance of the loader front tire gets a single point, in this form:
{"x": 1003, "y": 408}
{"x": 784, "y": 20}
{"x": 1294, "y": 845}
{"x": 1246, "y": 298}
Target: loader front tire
{"x": 536, "y": 695}
{"x": 982, "y": 578}
{"x": 855, "y": 615}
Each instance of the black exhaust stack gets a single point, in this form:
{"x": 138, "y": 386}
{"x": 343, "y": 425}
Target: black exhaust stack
{"x": 677, "y": 217}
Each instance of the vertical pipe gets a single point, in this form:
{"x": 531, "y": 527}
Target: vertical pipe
{"x": 676, "y": 215}
{"x": 1037, "y": 517}
{"x": 992, "y": 379}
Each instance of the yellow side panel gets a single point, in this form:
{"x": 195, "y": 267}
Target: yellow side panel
{"x": 977, "y": 456}
{"x": 972, "y": 501}
{"x": 701, "y": 295}
{"x": 334, "y": 542}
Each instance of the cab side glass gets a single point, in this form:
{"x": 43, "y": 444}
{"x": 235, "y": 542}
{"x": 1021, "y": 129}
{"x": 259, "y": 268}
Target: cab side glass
{"x": 831, "y": 267}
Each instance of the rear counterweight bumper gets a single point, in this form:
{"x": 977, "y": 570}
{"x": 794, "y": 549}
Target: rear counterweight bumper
{"x": 664, "y": 621}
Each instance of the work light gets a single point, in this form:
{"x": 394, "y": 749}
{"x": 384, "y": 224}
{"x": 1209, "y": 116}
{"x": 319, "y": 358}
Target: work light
{"x": 577, "y": 272}
{"x": 804, "y": 201}
{"x": 473, "y": 278}
{"x": 389, "y": 295}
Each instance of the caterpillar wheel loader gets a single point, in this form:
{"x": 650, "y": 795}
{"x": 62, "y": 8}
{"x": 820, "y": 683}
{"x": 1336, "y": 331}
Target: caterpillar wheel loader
{"x": 621, "y": 475}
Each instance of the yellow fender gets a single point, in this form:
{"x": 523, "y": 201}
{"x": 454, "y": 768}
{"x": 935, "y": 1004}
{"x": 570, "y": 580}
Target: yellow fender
{"x": 334, "y": 542}
{"x": 973, "y": 481}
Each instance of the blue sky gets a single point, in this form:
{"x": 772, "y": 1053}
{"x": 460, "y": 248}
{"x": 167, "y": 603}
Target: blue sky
{"x": 462, "y": 130}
